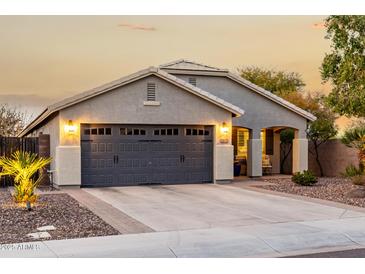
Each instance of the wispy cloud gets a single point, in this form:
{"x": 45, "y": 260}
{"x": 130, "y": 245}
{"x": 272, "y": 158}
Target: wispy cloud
{"x": 137, "y": 27}
{"x": 319, "y": 25}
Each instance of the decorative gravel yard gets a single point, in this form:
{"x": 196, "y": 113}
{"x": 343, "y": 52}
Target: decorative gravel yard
{"x": 70, "y": 219}
{"x": 332, "y": 189}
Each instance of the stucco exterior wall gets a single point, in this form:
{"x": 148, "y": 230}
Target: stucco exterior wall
{"x": 260, "y": 112}
{"x": 125, "y": 105}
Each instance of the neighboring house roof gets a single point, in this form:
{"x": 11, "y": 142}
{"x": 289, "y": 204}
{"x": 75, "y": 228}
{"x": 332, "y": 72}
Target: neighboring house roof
{"x": 185, "y": 66}
{"x": 126, "y": 80}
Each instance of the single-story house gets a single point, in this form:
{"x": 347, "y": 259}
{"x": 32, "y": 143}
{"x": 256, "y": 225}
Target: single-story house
{"x": 181, "y": 122}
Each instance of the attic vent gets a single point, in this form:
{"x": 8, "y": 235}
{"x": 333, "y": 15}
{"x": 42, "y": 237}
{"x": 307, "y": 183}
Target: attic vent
{"x": 192, "y": 81}
{"x": 151, "y": 92}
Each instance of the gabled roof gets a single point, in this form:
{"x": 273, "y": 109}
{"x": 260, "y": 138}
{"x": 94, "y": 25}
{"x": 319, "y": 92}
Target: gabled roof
{"x": 183, "y": 64}
{"x": 126, "y": 80}
{"x": 271, "y": 96}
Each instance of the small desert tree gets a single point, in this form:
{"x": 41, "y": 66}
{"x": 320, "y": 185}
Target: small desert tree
{"x": 12, "y": 120}
{"x": 322, "y": 129}
{"x": 286, "y": 145}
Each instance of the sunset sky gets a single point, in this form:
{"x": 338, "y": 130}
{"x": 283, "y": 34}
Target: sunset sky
{"x": 48, "y": 58}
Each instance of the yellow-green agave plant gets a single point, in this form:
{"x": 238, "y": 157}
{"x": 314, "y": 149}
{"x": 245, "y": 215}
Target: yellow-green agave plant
{"x": 22, "y": 166}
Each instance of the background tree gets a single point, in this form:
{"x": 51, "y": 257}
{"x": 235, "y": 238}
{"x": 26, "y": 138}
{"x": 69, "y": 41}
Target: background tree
{"x": 344, "y": 67}
{"x": 12, "y": 120}
{"x": 278, "y": 82}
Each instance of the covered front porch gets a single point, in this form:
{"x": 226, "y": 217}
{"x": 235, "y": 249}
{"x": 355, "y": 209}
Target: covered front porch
{"x": 259, "y": 152}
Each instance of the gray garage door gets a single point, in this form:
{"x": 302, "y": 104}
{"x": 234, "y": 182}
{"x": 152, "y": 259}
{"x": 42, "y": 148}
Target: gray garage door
{"x": 117, "y": 155}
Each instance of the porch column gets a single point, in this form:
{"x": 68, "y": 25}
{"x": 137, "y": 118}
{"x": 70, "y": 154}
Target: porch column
{"x": 275, "y": 160}
{"x": 300, "y": 151}
{"x": 254, "y": 159}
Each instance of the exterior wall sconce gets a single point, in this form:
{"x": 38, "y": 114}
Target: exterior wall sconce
{"x": 70, "y": 127}
{"x": 224, "y": 133}
{"x": 224, "y": 128}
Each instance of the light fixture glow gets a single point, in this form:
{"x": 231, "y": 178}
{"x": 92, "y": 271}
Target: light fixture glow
{"x": 70, "y": 127}
{"x": 224, "y": 128}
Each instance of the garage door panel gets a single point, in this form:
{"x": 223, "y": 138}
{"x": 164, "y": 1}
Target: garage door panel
{"x": 135, "y": 154}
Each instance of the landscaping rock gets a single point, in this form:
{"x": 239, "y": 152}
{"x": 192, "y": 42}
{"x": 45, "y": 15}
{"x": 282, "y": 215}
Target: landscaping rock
{"x": 62, "y": 211}
{"x": 46, "y": 228}
{"x": 357, "y": 193}
{"x": 39, "y": 235}
{"x": 328, "y": 188}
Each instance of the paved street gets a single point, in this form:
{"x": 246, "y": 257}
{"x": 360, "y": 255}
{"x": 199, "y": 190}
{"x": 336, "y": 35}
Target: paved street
{"x": 352, "y": 253}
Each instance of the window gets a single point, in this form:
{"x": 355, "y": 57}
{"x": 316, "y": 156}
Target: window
{"x": 132, "y": 131}
{"x": 151, "y": 92}
{"x": 196, "y": 132}
{"x": 192, "y": 81}
{"x": 166, "y": 131}
{"x": 242, "y": 137}
{"x": 98, "y": 131}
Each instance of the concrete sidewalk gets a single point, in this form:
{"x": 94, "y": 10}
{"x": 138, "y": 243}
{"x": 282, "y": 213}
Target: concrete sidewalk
{"x": 265, "y": 240}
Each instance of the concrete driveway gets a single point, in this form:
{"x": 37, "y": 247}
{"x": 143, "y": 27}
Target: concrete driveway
{"x": 186, "y": 207}
{"x": 208, "y": 221}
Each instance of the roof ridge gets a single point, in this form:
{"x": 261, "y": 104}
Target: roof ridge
{"x": 183, "y": 60}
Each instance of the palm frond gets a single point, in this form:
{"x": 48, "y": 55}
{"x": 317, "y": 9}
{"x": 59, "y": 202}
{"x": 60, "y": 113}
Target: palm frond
{"x": 22, "y": 166}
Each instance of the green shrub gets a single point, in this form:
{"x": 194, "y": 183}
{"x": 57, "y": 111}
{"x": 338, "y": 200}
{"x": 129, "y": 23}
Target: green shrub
{"x": 352, "y": 171}
{"x": 305, "y": 178}
{"x": 358, "y": 180}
